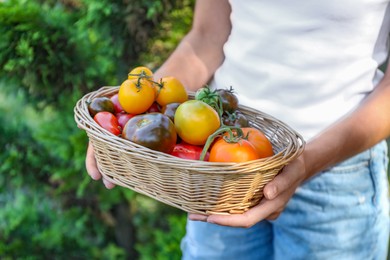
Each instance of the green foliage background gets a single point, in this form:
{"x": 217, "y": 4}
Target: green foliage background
{"x": 51, "y": 53}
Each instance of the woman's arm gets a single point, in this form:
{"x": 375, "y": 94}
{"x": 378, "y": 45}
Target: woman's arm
{"x": 356, "y": 132}
{"x": 200, "y": 52}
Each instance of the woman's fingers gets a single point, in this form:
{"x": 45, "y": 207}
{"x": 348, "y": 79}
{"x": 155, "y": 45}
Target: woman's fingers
{"x": 92, "y": 169}
{"x": 277, "y": 193}
{"x": 109, "y": 185}
{"x": 90, "y": 164}
{"x": 197, "y": 217}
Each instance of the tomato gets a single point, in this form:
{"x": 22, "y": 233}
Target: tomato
{"x": 208, "y": 96}
{"x": 117, "y": 106}
{"x": 229, "y": 99}
{"x": 170, "y": 90}
{"x": 136, "y": 96}
{"x": 235, "y": 119}
{"x": 240, "y": 151}
{"x": 154, "y": 130}
{"x": 154, "y": 108}
{"x": 188, "y": 151}
{"x": 100, "y": 104}
{"x": 140, "y": 71}
{"x": 123, "y": 118}
{"x": 108, "y": 121}
{"x": 170, "y": 110}
{"x": 195, "y": 121}
{"x": 258, "y": 139}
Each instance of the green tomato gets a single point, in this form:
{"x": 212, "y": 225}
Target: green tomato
{"x": 208, "y": 96}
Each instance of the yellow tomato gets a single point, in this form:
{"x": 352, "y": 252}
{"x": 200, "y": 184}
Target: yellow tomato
{"x": 141, "y": 70}
{"x": 136, "y": 96}
{"x": 195, "y": 121}
{"x": 170, "y": 90}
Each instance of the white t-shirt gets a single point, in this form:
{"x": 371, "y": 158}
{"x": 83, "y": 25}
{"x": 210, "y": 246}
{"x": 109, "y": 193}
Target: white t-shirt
{"x": 305, "y": 62}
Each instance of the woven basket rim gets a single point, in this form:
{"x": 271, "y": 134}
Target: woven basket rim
{"x": 281, "y": 157}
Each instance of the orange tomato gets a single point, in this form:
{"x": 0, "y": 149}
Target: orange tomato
{"x": 141, "y": 70}
{"x": 136, "y": 96}
{"x": 241, "y": 151}
{"x": 170, "y": 91}
{"x": 260, "y": 142}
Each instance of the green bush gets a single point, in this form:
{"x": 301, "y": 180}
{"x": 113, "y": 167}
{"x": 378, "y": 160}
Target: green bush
{"x": 164, "y": 242}
{"x": 51, "y": 53}
{"x": 37, "y": 227}
{"x": 46, "y": 207}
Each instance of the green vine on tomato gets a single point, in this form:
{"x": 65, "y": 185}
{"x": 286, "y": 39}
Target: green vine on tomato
{"x": 219, "y": 99}
{"x": 211, "y": 98}
{"x": 230, "y": 138}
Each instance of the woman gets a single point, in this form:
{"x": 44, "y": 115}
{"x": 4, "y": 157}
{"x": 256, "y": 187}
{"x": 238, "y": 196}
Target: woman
{"x": 313, "y": 65}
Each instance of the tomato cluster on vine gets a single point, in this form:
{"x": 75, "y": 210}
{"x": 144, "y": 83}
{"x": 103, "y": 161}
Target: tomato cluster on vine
{"x": 159, "y": 115}
{"x": 235, "y": 140}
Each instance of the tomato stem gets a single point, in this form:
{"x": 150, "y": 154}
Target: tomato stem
{"x": 208, "y": 96}
{"x": 160, "y": 85}
{"x": 211, "y": 98}
{"x": 234, "y": 137}
{"x": 138, "y": 84}
{"x": 140, "y": 75}
{"x": 231, "y": 138}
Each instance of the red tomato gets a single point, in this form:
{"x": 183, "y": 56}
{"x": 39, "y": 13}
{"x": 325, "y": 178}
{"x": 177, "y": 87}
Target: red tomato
{"x": 117, "y": 105}
{"x": 188, "y": 151}
{"x": 155, "y": 107}
{"x": 241, "y": 151}
{"x": 108, "y": 121}
{"x": 123, "y": 118}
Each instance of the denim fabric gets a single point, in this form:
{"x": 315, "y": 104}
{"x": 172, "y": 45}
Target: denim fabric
{"x": 342, "y": 213}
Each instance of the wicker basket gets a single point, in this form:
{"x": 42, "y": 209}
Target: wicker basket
{"x": 193, "y": 186}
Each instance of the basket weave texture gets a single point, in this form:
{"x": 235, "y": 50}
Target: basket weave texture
{"x": 193, "y": 186}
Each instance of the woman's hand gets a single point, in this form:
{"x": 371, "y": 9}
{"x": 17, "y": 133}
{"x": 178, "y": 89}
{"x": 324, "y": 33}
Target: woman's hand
{"x": 276, "y": 195}
{"x": 93, "y": 171}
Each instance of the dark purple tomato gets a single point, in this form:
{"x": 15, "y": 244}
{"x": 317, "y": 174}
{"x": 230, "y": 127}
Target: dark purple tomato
{"x": 235, "y": 119}
{"x": 229, "y": 100}
{"x": 100, "y": 104}
{"x": 170, "y": 110}
{"x": 153, "y": 130}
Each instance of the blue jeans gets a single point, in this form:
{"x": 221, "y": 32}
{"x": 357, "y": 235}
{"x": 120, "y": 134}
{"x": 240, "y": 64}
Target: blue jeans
{"x": 342, "y": 213}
